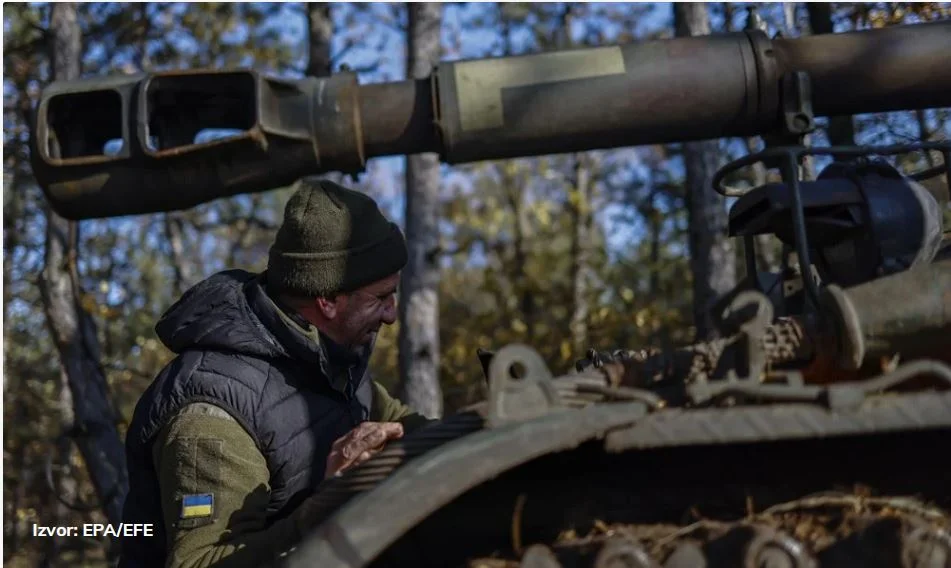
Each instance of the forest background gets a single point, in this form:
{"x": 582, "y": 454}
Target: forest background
{"x": 597, "y": 249}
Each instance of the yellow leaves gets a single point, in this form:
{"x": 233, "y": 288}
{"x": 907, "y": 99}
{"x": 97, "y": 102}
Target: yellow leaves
{"x": 876, "y": 16}
{"x": 27, "y": 514}
{"x": 384, "y": 364}
{"x": 542, "y": 329}
{"x": 543, "y": 215}
{"x": 518, "y": 326}
{"x": 627, "y": 294}
{"x": 640, "y": 318}
{"x": 459, "y": 352}
{"x": 90, "y": 305}
{"x": 575, "y": 199}
{"x": 497, "y": 218}
{"x": 565, "y": 350}
{"x": 510, "y": 168}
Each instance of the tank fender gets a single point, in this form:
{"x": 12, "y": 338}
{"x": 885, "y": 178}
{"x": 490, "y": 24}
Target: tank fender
{"x": 361, "y": 530}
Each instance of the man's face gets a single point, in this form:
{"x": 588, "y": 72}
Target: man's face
{"x": 361, "y": 313}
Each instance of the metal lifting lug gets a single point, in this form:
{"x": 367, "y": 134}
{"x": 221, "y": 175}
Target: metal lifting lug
{"x": 520, "y": 386}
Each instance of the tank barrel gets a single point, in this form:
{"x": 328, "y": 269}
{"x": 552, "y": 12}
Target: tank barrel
{"x": 648, "y": 92}
{"x": 895, "y": 68}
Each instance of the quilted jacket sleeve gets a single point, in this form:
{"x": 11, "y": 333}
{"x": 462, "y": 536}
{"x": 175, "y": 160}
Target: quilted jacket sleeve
{"x": 214, "y": 491}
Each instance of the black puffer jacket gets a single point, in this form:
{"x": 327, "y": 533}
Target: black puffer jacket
{"x": 237, "y": 350}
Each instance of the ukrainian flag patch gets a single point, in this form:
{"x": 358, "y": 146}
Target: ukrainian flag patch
{"x": 197, "y": 505}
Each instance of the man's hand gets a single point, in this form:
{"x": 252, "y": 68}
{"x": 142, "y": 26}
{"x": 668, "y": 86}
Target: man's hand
{"x": 359, "y": 444}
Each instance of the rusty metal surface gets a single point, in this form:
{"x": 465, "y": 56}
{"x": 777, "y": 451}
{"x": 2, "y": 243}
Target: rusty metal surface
{"x": 783, "y": 343}
{"x": 648, "y": 92}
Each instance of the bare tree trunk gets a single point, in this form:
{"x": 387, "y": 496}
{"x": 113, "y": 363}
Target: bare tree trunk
{"x": 521, "y": 227}
{"x": 64, "y": 481}
{"x": 767, "y": 253}
{"x": 711, "y": 253}
{"x": 320, "y": 32}
{"x": 656, "y": 223}
{"x": 521, "y": 283}
{"x": 12, "y": 212}
{"x": 789, "y": 19}
{"x": 582, "y": 218}
{"x": 419, "y": 293}
{"x": 579, "y": 209}
{"x": 181, "y": 265}
{"x": 89, "y": 416}
{"x": 925, "y": 135}
{"x": 66, "y": 57}
{"x": 13, "y": 527}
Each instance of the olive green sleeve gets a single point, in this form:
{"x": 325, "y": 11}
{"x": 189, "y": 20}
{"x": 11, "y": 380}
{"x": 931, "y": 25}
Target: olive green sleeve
{"x": 386, "y": 408}
{"x": 204, "y": 451}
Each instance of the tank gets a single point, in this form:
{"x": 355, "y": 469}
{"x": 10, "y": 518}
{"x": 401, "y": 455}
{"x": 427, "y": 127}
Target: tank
{"x": 813, "y": 432}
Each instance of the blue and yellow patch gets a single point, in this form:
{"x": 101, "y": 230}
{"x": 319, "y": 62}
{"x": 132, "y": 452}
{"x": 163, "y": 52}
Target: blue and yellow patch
{"x": 198, "y": 505}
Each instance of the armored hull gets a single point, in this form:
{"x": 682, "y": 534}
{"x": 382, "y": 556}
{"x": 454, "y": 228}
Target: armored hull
{"x": 767, "y": 447}
{"x": 598, "y": 478}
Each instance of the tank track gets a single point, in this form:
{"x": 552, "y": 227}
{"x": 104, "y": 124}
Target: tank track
{"x": 829, "y": 530}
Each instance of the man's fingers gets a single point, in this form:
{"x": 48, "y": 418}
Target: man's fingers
{"x": 345, "y": 439}
{"x": 360, "y": 431}
{"x": 360, "y": 444}
{"x": 389, "y": 430}
{"x": 393, "y": 430}
{"x": 371, "y": 435}
{"x": 375, "y": 438}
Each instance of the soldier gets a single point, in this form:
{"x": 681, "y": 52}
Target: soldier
{"x": 269, "y": 393}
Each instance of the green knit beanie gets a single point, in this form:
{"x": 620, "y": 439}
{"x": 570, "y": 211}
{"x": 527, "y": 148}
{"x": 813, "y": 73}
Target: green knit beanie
{"x": 333, "y": 240}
